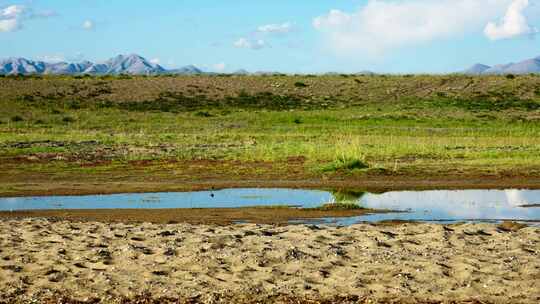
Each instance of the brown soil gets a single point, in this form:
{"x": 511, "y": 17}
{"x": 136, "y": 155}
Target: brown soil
{"x": 215, "y": 216}
{"x": 378, "y": 88}
{"x": 82, "y": 186}
{"x": 22, "y": 177}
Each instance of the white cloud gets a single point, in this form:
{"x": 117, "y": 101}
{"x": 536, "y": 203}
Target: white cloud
{"x": 12, "y": 11}
{"x": 333, "y": 19}
{"x": 282, "y": 28}
{"x": 10, "y": 18}
{"x": 242, "y": 43}
{"x": 88, "y": 25}
{"x": 219, "y": 67}
{"x": 383, "y": 25}
{"x": 254, "y": 44}
{"x": 9, "y": 25}
{"x": 257, "y": 39}
{"x": 155, "y": 61}
{"x": 514, "y": 23}
{"x": 13, "y": 16}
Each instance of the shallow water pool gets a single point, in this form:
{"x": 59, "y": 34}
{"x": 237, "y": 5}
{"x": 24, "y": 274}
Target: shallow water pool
{"x": 439, "y": 205}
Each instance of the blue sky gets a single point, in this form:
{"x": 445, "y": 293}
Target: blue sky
{"x": 310, "y": 36}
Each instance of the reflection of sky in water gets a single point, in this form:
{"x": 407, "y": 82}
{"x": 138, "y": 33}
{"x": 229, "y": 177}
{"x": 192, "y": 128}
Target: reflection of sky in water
{"x": 451, "y": 205}
{"x": 522, "y": 197}
{"x": 422, "y": 205}
{"x": 227, "y": 198}
{"x": 471, "y": 204}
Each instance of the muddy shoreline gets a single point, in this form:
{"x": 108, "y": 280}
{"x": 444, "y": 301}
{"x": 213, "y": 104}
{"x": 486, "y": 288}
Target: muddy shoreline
{"x": 212, "y": 216}
{"x": 42, "y": 186}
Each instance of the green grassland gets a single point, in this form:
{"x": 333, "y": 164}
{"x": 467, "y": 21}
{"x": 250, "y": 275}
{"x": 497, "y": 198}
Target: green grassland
{"x": 323, "y": 126}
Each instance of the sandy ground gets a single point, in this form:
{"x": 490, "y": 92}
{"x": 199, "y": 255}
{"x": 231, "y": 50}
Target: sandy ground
{"x": 222, "y": 264}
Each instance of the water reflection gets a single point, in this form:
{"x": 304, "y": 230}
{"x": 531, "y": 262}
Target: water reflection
{"x": 448, "y": 206}
{"x": 346, "y": 196}
{"x": 520, "y": 197}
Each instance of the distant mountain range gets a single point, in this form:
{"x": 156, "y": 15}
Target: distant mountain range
{"x": 121, "y": 64}
{"x": 137, "y": 65}
{"x": 524, "y": 67}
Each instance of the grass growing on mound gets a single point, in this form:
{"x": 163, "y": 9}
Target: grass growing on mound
{"x": 339, "y": 206}
{"x": 343, "y": 163}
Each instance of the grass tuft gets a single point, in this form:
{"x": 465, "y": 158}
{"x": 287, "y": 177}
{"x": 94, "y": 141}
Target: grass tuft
{"x": 68, "y": 119}
{"x": 203, "y": 114}
{"x": 345, "y": 164}
{"x": 17, "y": 118}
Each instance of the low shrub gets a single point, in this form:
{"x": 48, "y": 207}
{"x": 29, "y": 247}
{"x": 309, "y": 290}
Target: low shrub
{"x": 68, "y": 119}
{"x": 17, "y": 118}
{"x": 203, "y": 114}
{"x": 124, "y": 76}
{"x": 73, "y": 105}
